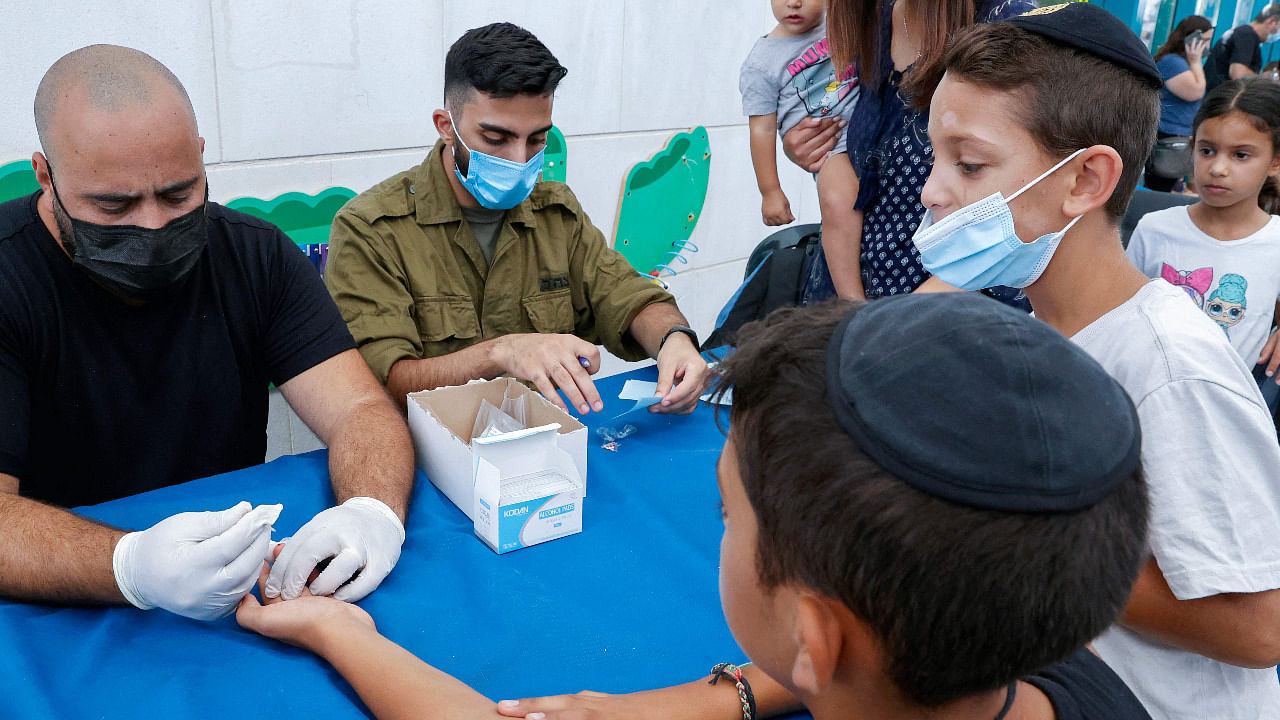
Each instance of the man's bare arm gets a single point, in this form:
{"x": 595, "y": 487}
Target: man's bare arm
{"x": 370, "y": 453}
{"x": 548, "y": 360}
{"x": 651, "y": 323}
{"x": 477, "y": 362}
{"x": 48, "y": 554}
{"x": 1240, "y": 70}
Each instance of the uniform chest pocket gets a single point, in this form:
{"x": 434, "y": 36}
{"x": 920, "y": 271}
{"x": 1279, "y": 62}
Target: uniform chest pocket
{"x": 441, "y": 317}
{"x": 550, "y": 312}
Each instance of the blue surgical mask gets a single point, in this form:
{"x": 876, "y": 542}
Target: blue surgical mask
{"x": 1273, "y": 37}
{"x": 976, "y": 246}
{"x": 494, "y": 182}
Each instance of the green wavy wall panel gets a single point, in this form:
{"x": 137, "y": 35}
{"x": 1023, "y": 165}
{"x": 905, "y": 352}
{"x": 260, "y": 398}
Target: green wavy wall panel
{"x": 662, "y": 200}
{"x": 17, "y": 179}
{"x": 553, "y": 167}
{"x": 304, "y": 218}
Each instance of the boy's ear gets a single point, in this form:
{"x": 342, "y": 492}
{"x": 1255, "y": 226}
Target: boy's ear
{"x": 1098, "y": 172}
{"x": 819, "y": 639}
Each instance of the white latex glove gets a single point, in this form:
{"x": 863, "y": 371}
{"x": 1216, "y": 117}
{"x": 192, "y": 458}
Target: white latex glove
{"x": 361, "y": 535}
{"x": 197, "y": 564}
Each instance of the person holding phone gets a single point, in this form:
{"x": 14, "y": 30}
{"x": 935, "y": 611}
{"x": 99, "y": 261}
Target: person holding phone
{"x": 1179, "y": 63}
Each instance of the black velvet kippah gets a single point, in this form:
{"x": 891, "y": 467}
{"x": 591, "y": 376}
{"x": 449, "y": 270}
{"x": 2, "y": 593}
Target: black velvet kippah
{"x": 969, "y": 400}
{"x": 1090, "y": 28}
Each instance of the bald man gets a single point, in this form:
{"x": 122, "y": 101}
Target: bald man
{"x": 140, "y": 326}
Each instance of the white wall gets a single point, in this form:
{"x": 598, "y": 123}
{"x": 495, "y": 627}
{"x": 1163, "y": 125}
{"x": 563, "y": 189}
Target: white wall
{"x": 295, "y": 95}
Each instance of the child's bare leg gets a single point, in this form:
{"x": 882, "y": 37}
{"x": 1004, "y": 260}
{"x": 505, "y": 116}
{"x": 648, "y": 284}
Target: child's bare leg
{"x": 841, "y": 225}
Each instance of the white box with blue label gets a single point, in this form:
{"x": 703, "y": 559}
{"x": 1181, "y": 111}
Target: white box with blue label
{"x": 518, "y": 488}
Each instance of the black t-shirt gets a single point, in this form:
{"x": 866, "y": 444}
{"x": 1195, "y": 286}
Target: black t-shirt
{"x": 1082, "y": 687}
{"x": 103, "y": 399}
{"x": 1242, "y": 45}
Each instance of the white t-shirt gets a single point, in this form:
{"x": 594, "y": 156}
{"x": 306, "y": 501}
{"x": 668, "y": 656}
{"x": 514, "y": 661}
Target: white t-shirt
{"x": 1212, "y": 464}
{"x": 1235, "y": 282}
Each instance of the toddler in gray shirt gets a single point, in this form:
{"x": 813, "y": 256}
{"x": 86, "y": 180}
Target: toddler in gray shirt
{"x": 788, "y": 76}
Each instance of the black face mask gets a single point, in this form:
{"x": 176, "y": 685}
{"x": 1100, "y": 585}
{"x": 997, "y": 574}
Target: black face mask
{"x": 135, "y": 262}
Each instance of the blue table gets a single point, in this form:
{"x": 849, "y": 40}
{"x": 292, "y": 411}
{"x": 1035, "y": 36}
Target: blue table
{"x": 631, "y": 603}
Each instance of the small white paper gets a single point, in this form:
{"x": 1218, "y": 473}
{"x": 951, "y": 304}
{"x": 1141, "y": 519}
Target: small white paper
{"x": 643, "y": 390}
{"x": 638, "y": 390}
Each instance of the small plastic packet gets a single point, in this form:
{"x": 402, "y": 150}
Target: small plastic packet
{"x": 513, "y": 405}
{"x": 493, "y": 421}
{"x": 610, "y": 436}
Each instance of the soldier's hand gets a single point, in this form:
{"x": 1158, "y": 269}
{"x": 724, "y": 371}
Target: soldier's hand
{"x": 551, "y": 361}
{"x": 682, "y": 376}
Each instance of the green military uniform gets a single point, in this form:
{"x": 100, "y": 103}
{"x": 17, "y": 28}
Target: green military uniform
{"x": 412, "y": 282}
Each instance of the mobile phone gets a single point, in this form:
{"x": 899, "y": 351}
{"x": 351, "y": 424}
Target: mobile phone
{"x": 1194, "y": 36}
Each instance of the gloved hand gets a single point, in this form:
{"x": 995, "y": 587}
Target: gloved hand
{"x": 361, "y": 535}
{"x": 197, "y": 564}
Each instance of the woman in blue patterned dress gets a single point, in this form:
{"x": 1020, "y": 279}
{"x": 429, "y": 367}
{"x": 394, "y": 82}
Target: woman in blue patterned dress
{"x": 888, "y": 142}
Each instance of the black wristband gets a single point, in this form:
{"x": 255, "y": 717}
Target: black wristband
{"x": 679, "y": 329}
{"x": 734, "y": 673}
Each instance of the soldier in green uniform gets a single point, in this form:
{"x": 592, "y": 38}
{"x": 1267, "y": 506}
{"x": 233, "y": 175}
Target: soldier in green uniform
{"x": 464, "y": 268}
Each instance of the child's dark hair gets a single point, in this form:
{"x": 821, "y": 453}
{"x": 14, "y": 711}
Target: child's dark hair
{"x": 1259, "y": 100}
{"x": 963, "y": 600}
{"x": 1070, "y": 99}
{"x": 501, "y": 60}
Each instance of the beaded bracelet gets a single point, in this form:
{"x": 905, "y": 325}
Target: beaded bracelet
{"x": 734, "y": 672}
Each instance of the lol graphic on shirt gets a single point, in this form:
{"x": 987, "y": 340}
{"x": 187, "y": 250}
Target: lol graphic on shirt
{"x": 1195, "y": 283}
{"x": 1225, "y": 305}
{"x": 815, "y": 80}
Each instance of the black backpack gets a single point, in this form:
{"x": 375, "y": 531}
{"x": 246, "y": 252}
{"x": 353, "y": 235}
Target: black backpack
{"x": 776, "y": 274}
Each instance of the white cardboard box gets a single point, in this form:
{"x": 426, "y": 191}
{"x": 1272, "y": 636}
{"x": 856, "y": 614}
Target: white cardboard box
{"x": 519, "y": 488}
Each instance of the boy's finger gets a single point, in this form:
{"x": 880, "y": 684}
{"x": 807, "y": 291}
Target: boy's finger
{"x": 528, "y": 706}
{"x": 247, "y": 612}
{"x": 1268, "y": 348}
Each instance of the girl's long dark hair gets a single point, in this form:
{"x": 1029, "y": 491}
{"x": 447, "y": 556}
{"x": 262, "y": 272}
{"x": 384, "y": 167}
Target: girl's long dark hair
{"x": 1259, "y": 99}
{"x": 1177, "y": 42}
{"x": 853, "y": 31}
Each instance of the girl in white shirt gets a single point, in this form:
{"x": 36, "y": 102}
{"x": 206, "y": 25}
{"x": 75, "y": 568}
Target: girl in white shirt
{"x": 1224, "y": 251}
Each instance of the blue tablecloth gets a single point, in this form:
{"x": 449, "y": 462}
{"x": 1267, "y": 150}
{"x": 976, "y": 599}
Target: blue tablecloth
{"x": 631, "y": 603}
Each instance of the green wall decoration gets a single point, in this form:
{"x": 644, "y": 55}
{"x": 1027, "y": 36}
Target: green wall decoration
{"x": 557, "y": 153}
{"x": 661, "y": 201}
{"x": 304, "y": 218}
{"x": 17, "y": 179}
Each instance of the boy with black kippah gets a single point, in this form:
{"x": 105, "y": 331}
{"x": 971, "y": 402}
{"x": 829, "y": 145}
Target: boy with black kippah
{"x": 1064, "y": 99}
{"x": 902, "y": 561}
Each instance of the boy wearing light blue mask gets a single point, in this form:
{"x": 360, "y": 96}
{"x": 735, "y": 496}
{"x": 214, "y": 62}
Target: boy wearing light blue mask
{"x": 467, "y": 267}
{"x": 1040, "y": 131}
